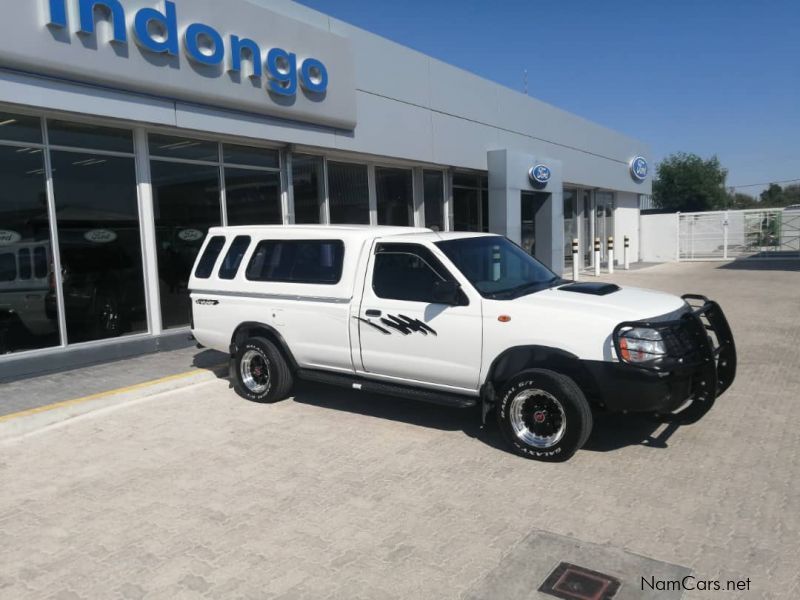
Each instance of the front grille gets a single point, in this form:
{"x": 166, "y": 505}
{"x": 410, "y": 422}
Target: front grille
{"x": 681, "y": 338}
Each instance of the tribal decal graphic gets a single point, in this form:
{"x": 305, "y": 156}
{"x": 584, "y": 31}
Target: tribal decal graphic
{"x": 401, "y": 323}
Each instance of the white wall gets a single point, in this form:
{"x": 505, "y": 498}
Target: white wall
{"x": 658, "y": 238}
{"x": 626, "y": 222}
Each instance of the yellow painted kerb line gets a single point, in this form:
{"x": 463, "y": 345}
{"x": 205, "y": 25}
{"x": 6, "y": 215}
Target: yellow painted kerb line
{"x": 99, "y": 395}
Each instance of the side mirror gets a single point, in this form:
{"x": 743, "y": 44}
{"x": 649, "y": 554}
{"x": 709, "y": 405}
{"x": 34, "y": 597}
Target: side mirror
{"x": 447, "y": 292}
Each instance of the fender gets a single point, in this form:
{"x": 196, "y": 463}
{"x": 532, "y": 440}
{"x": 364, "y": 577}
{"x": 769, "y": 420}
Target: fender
{"x": 254, "y": 328}
{"x": 520, "y": 358}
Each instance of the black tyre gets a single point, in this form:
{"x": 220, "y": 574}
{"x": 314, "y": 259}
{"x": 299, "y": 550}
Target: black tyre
{"x": 259, "y": 371}
{"x": 544, "y": 415}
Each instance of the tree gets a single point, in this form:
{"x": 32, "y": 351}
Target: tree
{"x": 772, "y": 196}
{"x": 776, "y": 197}
{"x": 686, "y": 182}
{"x": 791, "y": 194}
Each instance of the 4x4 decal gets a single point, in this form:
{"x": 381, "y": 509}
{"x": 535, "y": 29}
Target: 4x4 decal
{"x": 401, "y": 323}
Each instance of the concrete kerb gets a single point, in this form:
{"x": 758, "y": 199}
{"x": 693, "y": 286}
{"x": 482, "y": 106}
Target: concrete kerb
{"x": 18, "y": 425}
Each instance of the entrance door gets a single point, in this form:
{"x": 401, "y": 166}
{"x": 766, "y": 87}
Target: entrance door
{"x": 530, "y": 204}
{"x": 404, "y": 333}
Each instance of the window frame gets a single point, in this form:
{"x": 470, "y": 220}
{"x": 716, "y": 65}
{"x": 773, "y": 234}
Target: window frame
{"x": 411, "y": 249}
{"x": 235, "y": 272}
{"x": 206, "y": 254}
{"x": 337, "y": 242}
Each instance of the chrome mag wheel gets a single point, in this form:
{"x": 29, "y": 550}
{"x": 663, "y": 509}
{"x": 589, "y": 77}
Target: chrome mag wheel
{"x": 254, "y": 369}
{"x": 538, "y": 418}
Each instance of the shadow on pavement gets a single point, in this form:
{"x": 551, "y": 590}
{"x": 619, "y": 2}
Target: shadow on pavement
{"x": 212, "y": 360}
{"x": 613, "y": 432}
{"x": 763, "y": 264}
{"x": 412, "y": 412}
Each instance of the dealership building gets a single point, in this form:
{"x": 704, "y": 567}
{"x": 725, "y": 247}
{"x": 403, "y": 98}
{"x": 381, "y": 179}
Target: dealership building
{"x": 129, "y": 127}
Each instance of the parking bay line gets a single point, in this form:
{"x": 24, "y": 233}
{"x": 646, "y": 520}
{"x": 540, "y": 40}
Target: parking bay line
{"x": 99, "y": 395}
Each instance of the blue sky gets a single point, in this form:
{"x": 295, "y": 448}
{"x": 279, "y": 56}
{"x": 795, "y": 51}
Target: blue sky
{"x": 705, "y": 76}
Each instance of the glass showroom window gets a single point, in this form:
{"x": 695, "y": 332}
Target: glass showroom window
{"x": 308, "y": 181}
{"x": 433, "y": 184}
{"x": 252, "y": 185}
{"x": 99, "y": 238}
{"x": 348, "y": 189}
{"x": 470, "y": 202}
{"x": 186, "y": 202}
{"x": 395, "y": 196}
{"x": 187, "y": 199}
{"x": 28, "y": 308}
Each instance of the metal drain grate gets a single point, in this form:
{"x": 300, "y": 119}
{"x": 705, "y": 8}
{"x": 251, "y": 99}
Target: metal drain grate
{"x": 572, "y": 582}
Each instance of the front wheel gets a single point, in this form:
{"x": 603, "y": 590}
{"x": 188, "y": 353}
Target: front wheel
{"x": 544, "y": 415}
{"x": 260, "y": 372}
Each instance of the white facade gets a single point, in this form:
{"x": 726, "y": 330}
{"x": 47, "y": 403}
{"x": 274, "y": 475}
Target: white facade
{"x": 392, "y": 137}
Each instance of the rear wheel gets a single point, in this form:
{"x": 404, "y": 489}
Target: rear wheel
{"x": 544, "y": 415}
{"x": 260, "y": 372}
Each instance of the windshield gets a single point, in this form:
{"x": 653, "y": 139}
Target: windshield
{"x": 497, "y": 267}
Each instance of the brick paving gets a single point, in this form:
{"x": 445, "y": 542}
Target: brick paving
{"x": 25, "y": 394}
{"x": 196, "y": 493}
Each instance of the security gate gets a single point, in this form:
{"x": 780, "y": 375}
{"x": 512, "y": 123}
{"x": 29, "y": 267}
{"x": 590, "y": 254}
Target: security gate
{"x": 721, "y": 235}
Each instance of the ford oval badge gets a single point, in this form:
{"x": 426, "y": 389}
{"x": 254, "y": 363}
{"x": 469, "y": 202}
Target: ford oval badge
{"x": 639, "y": 168}
{"x": 191, "y": 235}
{"x": 8, "y": 237}
{"x": 540, "y": 174}
{"x": 100, "y": 236}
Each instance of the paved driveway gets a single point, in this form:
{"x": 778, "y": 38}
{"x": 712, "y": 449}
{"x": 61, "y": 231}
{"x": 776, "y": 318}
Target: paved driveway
{"x": 197, "y": 493}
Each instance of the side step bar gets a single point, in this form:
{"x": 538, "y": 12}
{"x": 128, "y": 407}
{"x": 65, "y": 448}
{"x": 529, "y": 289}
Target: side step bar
{"x": 389, "y": 389}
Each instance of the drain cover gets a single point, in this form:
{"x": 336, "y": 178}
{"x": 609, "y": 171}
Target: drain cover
{"x": 572, "y": 582}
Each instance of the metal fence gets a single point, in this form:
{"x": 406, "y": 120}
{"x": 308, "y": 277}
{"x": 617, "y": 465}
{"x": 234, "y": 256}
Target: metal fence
{"x": 722, "y": 235}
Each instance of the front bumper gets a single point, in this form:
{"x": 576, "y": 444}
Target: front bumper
{"x": 700, "y": 363}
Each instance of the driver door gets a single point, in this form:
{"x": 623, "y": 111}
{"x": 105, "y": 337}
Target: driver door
{"x": 404, "y": 333}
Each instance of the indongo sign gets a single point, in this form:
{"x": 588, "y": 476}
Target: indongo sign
{"x": 231, "y": 54}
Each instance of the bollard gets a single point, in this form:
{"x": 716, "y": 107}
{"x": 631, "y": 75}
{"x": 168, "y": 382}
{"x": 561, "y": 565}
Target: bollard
{"x": 574, "y": 259}
{"x": 496, "y": 266}
{"x": 610, "y": 255}
{"x": 627, "y": 253}
{"x": 597, "y": 257}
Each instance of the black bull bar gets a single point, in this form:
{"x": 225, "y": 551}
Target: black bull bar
{"x": 700, "y": 342}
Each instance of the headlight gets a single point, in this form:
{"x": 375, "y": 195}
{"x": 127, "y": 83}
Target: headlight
{"x": 641, "y": 344}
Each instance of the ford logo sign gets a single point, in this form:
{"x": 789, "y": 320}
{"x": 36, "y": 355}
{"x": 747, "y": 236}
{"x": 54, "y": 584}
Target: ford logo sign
{"x": 100, "y": 236}
{"x": 9, "y": 237}
{"x": 540, "y": 174}
{"x": 639, "y": 168}
{"x": 191, "y": 235}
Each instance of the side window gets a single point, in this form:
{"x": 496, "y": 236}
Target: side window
{"x": 24, "y": 263}
{"x": 8, "y": 267}
{"x": 297, "y": 261}
{"x": 232, "y": 260}
{"x": 406, "y": 272}
{"x": 40, "y": 262}
{"x": 206, "y": 264}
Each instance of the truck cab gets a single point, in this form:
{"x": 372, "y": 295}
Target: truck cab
{"x": 462, "y": 319}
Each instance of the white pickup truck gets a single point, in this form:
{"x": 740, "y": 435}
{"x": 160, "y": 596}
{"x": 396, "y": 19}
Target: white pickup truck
{"x": 461, "y": 319}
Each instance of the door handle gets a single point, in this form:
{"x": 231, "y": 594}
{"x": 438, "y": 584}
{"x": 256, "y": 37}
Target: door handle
{"x": 373, "y": 313}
